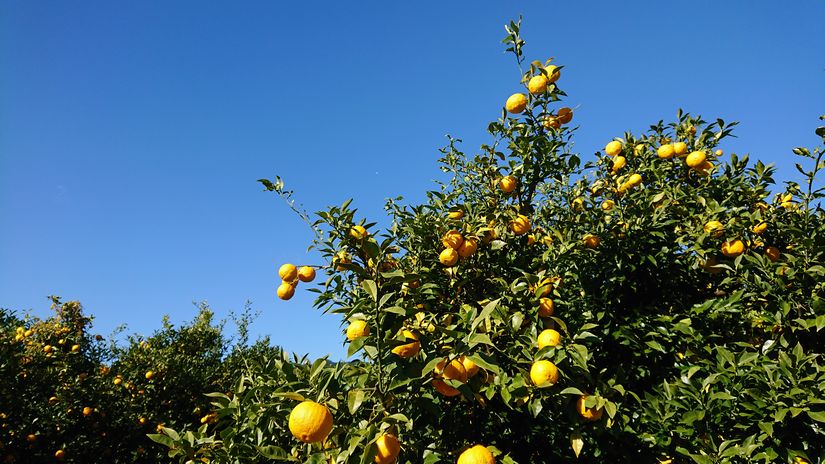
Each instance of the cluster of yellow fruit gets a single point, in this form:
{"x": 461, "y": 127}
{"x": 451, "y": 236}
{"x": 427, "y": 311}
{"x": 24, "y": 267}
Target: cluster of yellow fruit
{"x": 697, "y": 160}
{"x": 455, "y": 246}
{"x": 625, "y": 183}
{"x": 290, "y": 275}
{"x": 538, "y": 85}
{"x": 21, "y": 334}
{"x": 735, "y": 247}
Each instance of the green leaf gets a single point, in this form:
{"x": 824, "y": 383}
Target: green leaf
{"x": 371, "y": 288}
{"x": 354, "y": 400}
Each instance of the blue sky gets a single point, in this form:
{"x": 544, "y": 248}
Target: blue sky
{"x": 132, "y": 133}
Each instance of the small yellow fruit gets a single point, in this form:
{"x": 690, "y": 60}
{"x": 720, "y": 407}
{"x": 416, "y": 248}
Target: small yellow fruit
{"x": 760, "y": 228}
{"x": 714, "y": 228}
{"x": 538, "y": 84}
{"x": 634, "y": 180}
{"x": 607, "y": 205}
{"x": 117, "y": 381}
{"x": 588, "y": 414}
{"x": 695, "y": 159}
{"x": 408, "y": 350}
{"x": 306, "y": 274}
{"x": 358, "y": 232}
{"x": 551, "y": 122}
{"x": 468, "y": 248}
{"x": 286, "y": 291}
{"x": 28, "y": 333}
{"x": 520, "y": 225}
{"x": 142, "y": 421}
{"x": 666, "y": 151}
{"x": 288, "y": 272}
{"x": 553, "y": 73}
{"x": 387, "y": 448}
{"x": 516, "y": 103}
{"x": 549, "y": 337}
{"x": 591, "y": 241}
{"x": 704, "y": 168}
{"x": 75, "y": 348}
{"x": 679, "y": 148}
{"x": 87, "y": 411}
{"x": 53, "y": 400}
{"x": 448, "y": 257}
{"x": 452, "y": 239}
{"x": 718, "y": 153}
{"x": 48, "y": 349}
{"x": 455, "y": 214}
{"x": 613, "y": 148}
{"x": 60, "y": 454}
{"x": 310, "y": 422}
{"x": 733, "y": 248}
{"x": 546, "y": 307}
{"x": 544, "y": 373}
{"x": 452, "y": 371}
{"x": 469, "y": 366}
{"x": 531, "y": 239}
{"x": 149, "y": 375}
{"x": 773, "y": 253}
{"x": 578, "y": 204}
{"x": 564, "y": 115}
{"x": 342, "y": 258}
{"x": 478, "y": 454}
{"x": 356, "y": 329}
{"x": 31, "y": 438}
{"x": 618, "y": 163}
{"x": 507, "y": 184}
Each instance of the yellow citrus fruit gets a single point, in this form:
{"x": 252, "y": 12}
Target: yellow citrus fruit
{"x": 387, "y": 448}
{"x": 516, "y": 103}
{"x": 718, "y": 153}
{"x": 452, "y": 239}
{"x": 31, "y": 438}
{"x": 520, "y": 225}
{"x": 117, "y": 381}
{"x": 286, "y": 291}
{"x": 704, "y": 168}
{"x": 588, "y": 414}
{"x": 306, "y": 274}
{"x": 695, "y": 159}
{"x": 591, "y": 241}
{"x": 613, "y": 148}
{"x": 310, "y": 422}
{"x": 733, "y": 248}
{"x": 545, "y": 284}
{"x": 578, "y": 204}
{"x": 469, "y": 366}
{"x": 60, "y": 454}
{"x": 551, "y": 122}
{"x": 358, "y": 232}
{"x": 666, "y": 151}
{"x": 564, "y": 115}
{"x": 357, "y": 328}
{"x": 507, "y": 184}
{"x": 408, "y": 350}
{"x": 288, "y": 272}
{"x": 714, "y": 228}
{"x": 549, "y": 337}
{"x": 773, "y": 253}
{"x": 448, "y": 257}
{"x": 468, "y": 248}
{"x": 634, "y": 180}
{"x": 607, "y": 205}
{"x": 544, "y": 373}
{"x": 531, "y": 239}
{"x": 553, "y": 73}
{"x": 342, "y": 258}
{"x": 538, "y": 84}
{"x": 679, "y": 148}
{"x": 546, "y": 307}
{"x": 760, "y": 228}
{"x": 455, "y": 214}
{"x": 87, "y": 411}
{"x": 452, "y": 371}
{"x": 476, "y": 455}
{"x": 618, "y": 163}
{"x": 149, "y": 375}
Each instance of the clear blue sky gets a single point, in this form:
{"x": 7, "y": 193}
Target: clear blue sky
{"x": 132, "y": 133}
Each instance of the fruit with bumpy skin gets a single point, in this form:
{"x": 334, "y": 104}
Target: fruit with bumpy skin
{"x": 448, "y": 257}
{"x": 306, "y": 274}
{"x": 666, "y": 151}
{"x": 679, "y": 148}
{"x": 520, "y": 225}
{"x": 358, "y": 232}
{"x": 357, "y": 329}
{"x": 288, "y": 272}
{"x": 760, "y": 228}
{"x": 695, "y": 159}
{"x": 477, "y": 455}
{"x": 387, "y": 448}
{"x": 733, "y": 248}
{"x": 507, "y": 184}
{"x": 634, "y": 180}
{"x": 469, "y": 366}
{"x": 551, "y": 122}
{"x": 714, "y": 228}
{"x": 537, "y": 84}
{"x": 408, "y": 350}
{"x": 544, "y": 373}
{"x": 549, "y": 337}
{"x": 553, "y": 73}
{"x": 452, "y": 371}
{"x": 591, "y": 241}
{"x": 455, "y": 214}
{"x": 588, "y": 414}
{"x": 618, "y": 163}
{"x": 546, "y": 307}
{"x": 452, "y": 239}
{"x": 607, "y": 205}
{"x": 149, "y": 375}
{"x": 310, "y": 422}
{"x": 704, "y": 168}
{"x": 613, "y": 148}
{"x": 286, "y": 291}
{"x": 468, "y": 248}
{"x": 516, "y": 103}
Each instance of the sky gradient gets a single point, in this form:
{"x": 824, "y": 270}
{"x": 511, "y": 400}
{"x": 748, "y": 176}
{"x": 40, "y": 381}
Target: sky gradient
{"x": 132, "y": 133}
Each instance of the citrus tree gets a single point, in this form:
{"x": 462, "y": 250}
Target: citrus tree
{"x": 660, "y": 301}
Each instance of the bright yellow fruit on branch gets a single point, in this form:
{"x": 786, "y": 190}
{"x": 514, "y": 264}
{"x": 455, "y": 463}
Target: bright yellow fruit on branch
{"x": 408, "y": 350}
{"x": 306, "y": 274}
{"x": 733, "y": 248}
{"x": 760, "y": 228}
{"x": 87, "y": 411}
{"x": 618, "y": 163}
{"x": 613, "y": 148}
{"x": 607, "y": 205}
{"x": 469, "y": 366}
{"x": 546, "y": 307}
{"x": 538, "y": 84}
{"x": 468, "y": 248}
{"x": 714, "y": 228}
{"x": 455, "y": 214}
{"x": 448, "y": 257}
{"x": 551, "y": 122}
{"x": 704, "y": 168}
{"x": 695, "y": 159}
{"x": 387, "y": 448}
{"x": 149, "y": 375}
{"x": 507, "y": 184}
{"x": 634, "y": 180}
{"x": 520, "y": 225}
{"x": 544, "y": 373}
{"x": 591, "y": 241}
{"x": 588, "y": 414}
{"x": 553, "y": 73}
{"x": 60, "y": 454}
{"x": 310, "y": 422}
{"x": 288, "y": 272}
{"x": 286, "y": 291}
{"x": 477, "y": 455}
{"x": 357, "y": 329}
{"x": 516, "y": 103}
{"x": 666, "y": 151}
{"x": 358, "y": 232}
{"x": 452, "y": 371}
{"x": 679, "y": 148}
{"x": 75, "y": 348}
{"x": 549, "y": 337}
{"x": 452, "y": 239}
